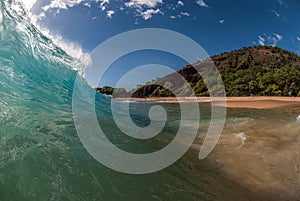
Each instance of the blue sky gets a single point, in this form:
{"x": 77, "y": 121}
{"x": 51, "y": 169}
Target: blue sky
{"x": 217, "y": 25}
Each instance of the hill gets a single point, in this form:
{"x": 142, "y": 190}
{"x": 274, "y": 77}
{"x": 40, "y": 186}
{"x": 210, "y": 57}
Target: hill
{"x": 261, "y": 70}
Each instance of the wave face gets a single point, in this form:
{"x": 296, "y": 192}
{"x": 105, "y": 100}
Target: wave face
{"x": 41, "y": 156}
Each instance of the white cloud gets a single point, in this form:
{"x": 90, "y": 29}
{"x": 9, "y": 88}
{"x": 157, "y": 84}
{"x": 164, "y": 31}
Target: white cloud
{"x": 275, "y": 13}
{"x": 279, "y": 37}
{"x": 173, "y": 17}
{"x": 103, "y": 4}
{"x": 110, "y": 13}
{"x": 261, "y": 40}
{"x": 139, "y": 3}
{"x": 87, "y": 4}
{"x": 148, "y": 13}
{"x": 180, "y": 3}
{"x": 185, "y": 14}
{"x": 270, "y": 39}
{"x": 202, "y": 3}
{"x": 61, "y": 4}
{"x": 298, "y": 38}
{"x": 222, "y": 21}
{"x": 145, "y": 8}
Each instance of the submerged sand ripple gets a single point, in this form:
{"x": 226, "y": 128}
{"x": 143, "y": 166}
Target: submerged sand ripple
{"x": 267, "y": 165}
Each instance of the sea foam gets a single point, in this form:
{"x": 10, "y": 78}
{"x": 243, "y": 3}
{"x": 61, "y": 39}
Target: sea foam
{"x": 242, "y": 137}
{"x": 1, "y": 20}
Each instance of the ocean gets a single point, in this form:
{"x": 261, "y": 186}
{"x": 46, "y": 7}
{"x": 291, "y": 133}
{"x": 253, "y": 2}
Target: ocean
{"x": 43, "y": 158}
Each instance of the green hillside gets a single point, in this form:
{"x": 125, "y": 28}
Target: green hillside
{"x": 263, "y": 70}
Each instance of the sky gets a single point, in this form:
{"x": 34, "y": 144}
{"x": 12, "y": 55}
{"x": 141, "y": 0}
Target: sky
{"x": 79, "y": 26}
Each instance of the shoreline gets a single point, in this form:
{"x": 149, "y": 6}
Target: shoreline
{"x": 255, "y": 102}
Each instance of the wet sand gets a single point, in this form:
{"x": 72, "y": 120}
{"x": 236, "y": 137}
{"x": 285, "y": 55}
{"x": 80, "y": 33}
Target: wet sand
{"x": 258, "y": 102}
{"x": 261, "y": 102}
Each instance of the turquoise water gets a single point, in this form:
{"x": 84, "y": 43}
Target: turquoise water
{"x": 41, "y": 155}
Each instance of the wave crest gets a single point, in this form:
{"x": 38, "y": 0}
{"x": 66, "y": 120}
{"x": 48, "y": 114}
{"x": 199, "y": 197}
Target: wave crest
{"x": 16, "y": 16}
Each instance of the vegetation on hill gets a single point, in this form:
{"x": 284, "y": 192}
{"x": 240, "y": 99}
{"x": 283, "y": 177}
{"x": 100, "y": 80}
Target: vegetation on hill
{"x": 116, "y": 92}
{"x": 263, "y": 71}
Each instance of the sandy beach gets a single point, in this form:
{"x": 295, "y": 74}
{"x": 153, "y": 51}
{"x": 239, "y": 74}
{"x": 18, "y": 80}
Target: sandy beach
{"x": 258, "y": 102}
